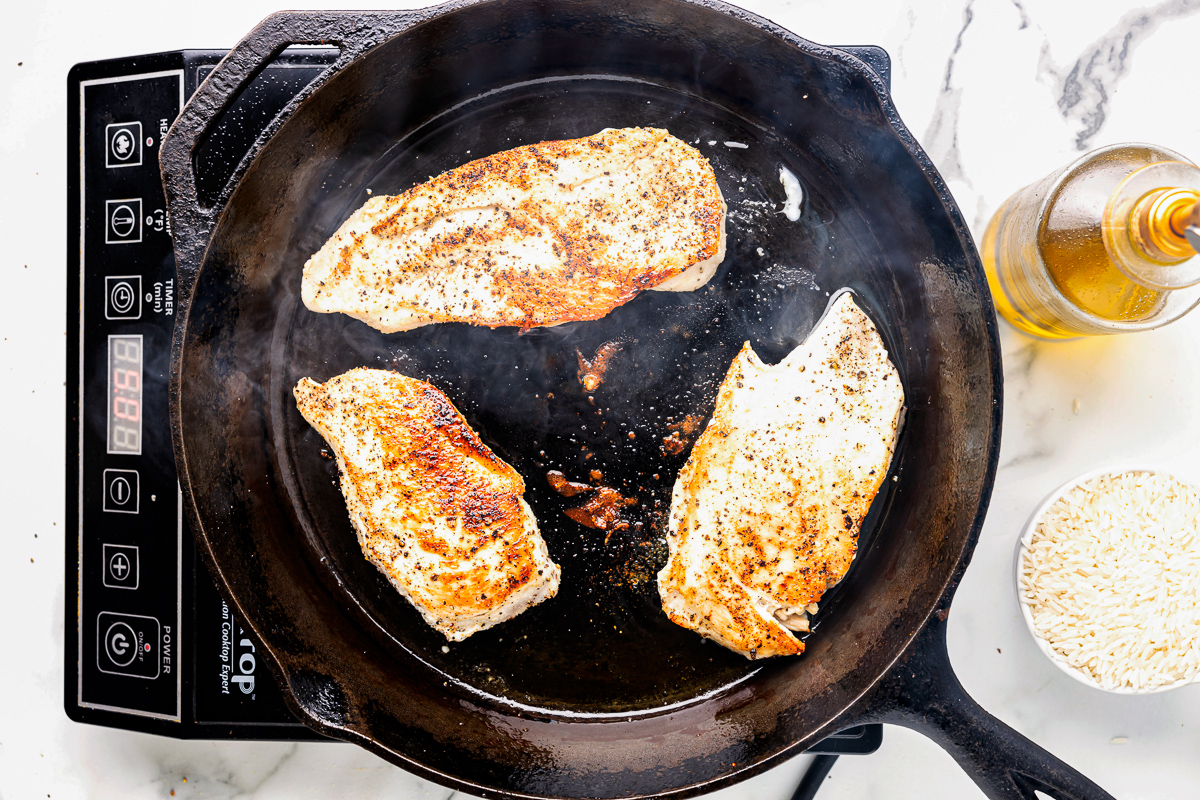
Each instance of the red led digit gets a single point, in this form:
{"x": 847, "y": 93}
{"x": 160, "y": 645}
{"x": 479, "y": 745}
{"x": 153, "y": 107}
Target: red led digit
{"x": 127, "y": 380}
{"x": 122, "y": 406}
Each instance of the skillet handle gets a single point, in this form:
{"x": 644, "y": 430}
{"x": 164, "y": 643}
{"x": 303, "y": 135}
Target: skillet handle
{"x": 354, "y": 32}
{"x": 921, "y": 692}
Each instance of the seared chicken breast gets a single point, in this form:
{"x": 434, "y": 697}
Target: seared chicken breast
{"x": 539, "y": 235}
{"x": 435, "y": 510}
{"x": 765, "y": 515}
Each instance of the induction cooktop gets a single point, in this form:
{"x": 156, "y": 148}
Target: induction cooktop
{"x": 151, "y": 645}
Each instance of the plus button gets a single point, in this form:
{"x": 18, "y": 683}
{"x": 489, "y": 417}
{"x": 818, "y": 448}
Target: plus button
{"x": 121, "y": 566}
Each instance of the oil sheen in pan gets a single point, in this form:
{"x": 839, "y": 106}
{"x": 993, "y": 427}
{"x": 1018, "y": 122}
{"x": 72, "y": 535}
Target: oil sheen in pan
{"x": 603, "y": 645}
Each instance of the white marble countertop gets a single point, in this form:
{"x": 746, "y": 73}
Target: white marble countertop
{"x": 999, "y": 92}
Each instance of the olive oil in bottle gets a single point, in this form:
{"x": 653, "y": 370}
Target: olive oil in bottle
{"x": 1108, "y": 244}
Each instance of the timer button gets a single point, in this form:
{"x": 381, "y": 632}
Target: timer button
{"x": 123, "y": 297}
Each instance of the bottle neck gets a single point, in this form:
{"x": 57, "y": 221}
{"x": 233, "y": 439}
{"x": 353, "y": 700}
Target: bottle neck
{"x": 1151, "y": 226}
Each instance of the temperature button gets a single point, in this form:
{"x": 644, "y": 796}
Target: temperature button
{"x": 128, "y": 644}
{"x": 121, "y": 566}
{"x": 123, "y": 221}
{"x": 124, "y": 144}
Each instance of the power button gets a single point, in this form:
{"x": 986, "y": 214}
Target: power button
{"x": 121, "y": 644}
{"x": 128, "y": 644}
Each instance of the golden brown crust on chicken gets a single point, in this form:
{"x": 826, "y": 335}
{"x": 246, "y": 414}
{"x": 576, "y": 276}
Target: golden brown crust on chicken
{"x": 538, "y": 235}
{"x": 766, "y": 513}
{"x": 435, "y": 510}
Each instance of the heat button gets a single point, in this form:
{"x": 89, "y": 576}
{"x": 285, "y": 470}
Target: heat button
{"x": 124, "y": 144}
{"x": 128, "y": 644}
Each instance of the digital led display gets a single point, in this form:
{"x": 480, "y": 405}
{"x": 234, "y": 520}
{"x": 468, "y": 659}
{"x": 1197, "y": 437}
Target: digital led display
{"x": 125, "y": 394}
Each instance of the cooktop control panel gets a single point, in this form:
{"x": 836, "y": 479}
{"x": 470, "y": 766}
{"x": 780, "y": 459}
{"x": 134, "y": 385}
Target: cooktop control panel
{"x": 151, "y": 645}
{"x": 129, "y": 608}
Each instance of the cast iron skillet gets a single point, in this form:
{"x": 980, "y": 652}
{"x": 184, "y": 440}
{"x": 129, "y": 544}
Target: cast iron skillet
{"x": 595, "y": 693}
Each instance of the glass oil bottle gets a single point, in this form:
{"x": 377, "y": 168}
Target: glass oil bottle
{"x": 1108, "y": 244}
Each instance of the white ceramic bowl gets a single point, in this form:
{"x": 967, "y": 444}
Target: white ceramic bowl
{"x": 1026, "y": 538}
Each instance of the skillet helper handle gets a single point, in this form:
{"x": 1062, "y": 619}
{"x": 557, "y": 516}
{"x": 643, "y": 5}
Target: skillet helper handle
{"x": 922, "y": 693}
{"x": 354, "y": 32}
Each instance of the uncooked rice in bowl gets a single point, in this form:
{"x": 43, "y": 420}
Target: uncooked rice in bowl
{"x": 1111, "y": 576}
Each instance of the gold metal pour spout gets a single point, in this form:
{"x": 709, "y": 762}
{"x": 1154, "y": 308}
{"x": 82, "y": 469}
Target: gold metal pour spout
{"x": 1168, "y": 224}
{"x": 1185, "y": 222}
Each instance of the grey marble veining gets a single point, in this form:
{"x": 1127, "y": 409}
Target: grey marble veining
{"x": 1086, "y": 85}
{"x": 1082, "y": 81}
{"x": 941, "y": 136}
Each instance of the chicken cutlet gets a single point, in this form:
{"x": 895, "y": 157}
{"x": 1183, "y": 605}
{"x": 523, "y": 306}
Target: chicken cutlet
{"x": 434, "y": 509}
{"x": 765, "y": 514}
{"x": 535, "y": 236}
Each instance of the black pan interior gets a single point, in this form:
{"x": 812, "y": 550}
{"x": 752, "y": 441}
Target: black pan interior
{"x": 603, "y": 644}
{"x": 593, "y": 693}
